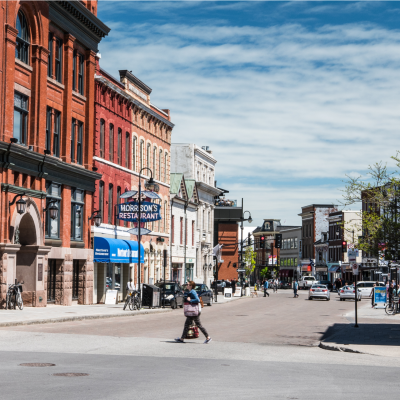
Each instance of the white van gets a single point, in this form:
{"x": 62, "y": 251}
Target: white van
{"x": 365, "y": 287}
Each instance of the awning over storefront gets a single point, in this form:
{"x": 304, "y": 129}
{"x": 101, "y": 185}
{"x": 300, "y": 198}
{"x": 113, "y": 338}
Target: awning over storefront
{"x": 334, "y": 268}
{"x": 117, "y": 251}
{"x": 286, "y": 273}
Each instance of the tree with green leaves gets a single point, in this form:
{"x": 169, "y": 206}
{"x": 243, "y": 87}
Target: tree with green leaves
{"x": 249, "y": 259}
{"x": 264, "y": 273}
{"x": 379, "y": 196}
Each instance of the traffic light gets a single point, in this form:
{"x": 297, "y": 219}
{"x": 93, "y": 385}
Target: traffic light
{"x": 344, "y": 247}
{"x": 262, "y": 242}
{"x": 278, "y": 240}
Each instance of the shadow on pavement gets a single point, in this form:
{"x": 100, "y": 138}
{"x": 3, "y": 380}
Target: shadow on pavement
{"x": 379, "y": 334}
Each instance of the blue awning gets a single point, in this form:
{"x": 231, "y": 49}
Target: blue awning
{"x": 117, "y": 251}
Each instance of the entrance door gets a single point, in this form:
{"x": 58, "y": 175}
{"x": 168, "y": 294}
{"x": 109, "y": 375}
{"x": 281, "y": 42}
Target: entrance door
{"x": 75, "y": 280}
{"x": 51, "y": 281}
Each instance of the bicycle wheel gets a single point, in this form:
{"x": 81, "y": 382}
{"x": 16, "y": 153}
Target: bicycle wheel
{"x": 19, "y": 301}
{"x": 390, "y": 309}
{"x": 131, "y": 304}
{"x": 138, "y": 303}
{"x": 126, "y": 303}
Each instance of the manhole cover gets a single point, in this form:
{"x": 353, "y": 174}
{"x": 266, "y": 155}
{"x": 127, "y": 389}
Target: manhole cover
{"x": 37, "y": 365}
{"x": 71, "y": 374}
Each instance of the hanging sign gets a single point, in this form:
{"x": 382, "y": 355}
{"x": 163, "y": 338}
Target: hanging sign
{"x": 129, "y": 211}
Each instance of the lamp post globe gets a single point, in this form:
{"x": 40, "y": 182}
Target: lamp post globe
{"x": 204, "y": 267}
{"x": 151, "y": 185}
{"x": 210, "y": 267}
{"x": 53, "y": 211}
{"x": 97, "y": 220}
{"x": 21, "y": 206}
{"x": 250, "y": 220}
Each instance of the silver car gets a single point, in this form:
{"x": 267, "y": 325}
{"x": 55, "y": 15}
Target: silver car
{"x": 348, "y": 292}
{"x": 319, "y": 291}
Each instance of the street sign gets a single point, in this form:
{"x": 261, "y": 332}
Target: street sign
{"x": 352, "y": 254}
{"x": 241, "y": 270}
{"x": 379, "y": 297}
{"x": 369, "y": 260}
{"x": 355, "y": 268}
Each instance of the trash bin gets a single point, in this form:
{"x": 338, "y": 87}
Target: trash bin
{"x": 151, "y": 296}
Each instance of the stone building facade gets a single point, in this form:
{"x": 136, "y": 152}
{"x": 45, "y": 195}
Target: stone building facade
{"x": 184, "y": 204}
{"x": 199, "y": 164}
{"x": 47, "y": 53}
{"x": 132, "y": 136}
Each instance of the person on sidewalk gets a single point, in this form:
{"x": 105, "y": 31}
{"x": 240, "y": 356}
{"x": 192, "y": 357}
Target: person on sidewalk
{"x": 372, "y": 295}
{"x": 295, "y": 288}
{"x": 276, "y": 283}
{"x": 266, "y": 289}
{"x": 193, "y": 298}
{"x": 233, "y": 283}
{"x": 130, "y": 287}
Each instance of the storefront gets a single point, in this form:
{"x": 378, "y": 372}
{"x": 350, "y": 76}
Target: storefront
{"x": 177, "y": 272}
{"x": 334, "y": 271}
{"x": 321, "y": 273}
{"x": 286, "y": 275}
{"x": 115, "y": 261}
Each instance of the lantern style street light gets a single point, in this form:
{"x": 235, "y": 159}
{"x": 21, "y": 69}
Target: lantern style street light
{"x": 52, "y": 208}
{"x": 21, "y": 203}
{"x": 96, "y": 216}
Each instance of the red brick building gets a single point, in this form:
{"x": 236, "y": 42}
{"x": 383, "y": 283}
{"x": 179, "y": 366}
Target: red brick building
{"x": 131, "y": 134}
{"x": 47, "y": 55}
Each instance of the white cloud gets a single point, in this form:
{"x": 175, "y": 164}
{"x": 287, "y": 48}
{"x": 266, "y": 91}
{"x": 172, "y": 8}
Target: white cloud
{"x": 282, "y": 105}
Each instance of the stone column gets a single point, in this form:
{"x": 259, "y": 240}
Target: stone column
{"x": 85, "y": 295}
{"x": 64, "y": 282}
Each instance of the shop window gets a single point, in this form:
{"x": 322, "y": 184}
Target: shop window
{"x": 77, "y": 203}
{"x": 52, "y": 226}
{"x": 23, "y": 42}
{"x": 20, "y": 118}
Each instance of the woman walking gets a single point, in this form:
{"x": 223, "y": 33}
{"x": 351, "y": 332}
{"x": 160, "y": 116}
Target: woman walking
{"x": 194, "y": 300}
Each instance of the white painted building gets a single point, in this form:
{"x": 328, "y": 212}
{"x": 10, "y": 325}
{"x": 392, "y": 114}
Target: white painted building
{"x": 198, "y": 164}
{"x": 184, "y": 204}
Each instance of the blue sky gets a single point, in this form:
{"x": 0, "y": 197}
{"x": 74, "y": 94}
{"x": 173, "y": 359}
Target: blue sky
{"x": 290, "y": 96}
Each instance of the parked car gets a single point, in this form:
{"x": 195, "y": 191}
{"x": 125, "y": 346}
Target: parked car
{"x": 285, "y": 285}
{"x": 202, "y": 291}
{"x": 306, "y": 282}
{"x": 329, "y": 284}
{"x": 319, "y": 291}
{"x": 348, "y": 292}
{"x": 366, "y": 287}
{"x": 173, "y": 295}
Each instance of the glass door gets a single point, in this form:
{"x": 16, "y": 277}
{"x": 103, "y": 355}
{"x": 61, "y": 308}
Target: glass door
{"x": 75, "y": 280}
{"x": 51, "y": 281}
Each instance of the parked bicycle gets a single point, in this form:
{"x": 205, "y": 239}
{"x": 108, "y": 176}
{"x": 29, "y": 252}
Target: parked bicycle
{"x": 393, "y": 307}
{"x": 133, "y": 301}
{"x": 14, "y": 297}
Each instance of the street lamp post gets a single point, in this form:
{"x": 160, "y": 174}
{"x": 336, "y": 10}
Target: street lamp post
{"x": 150, "y": 185}
{"x": 241, "y": 232}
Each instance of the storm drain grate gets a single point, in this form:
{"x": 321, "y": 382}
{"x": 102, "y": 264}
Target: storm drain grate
{"x": 37, "y": 365}
{"x": 71, "y": 374}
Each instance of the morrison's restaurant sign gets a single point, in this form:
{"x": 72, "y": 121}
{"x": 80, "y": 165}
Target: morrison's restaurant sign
{"x": 148, "y": 211}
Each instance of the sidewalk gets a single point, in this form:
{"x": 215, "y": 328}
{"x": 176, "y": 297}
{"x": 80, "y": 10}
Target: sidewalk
{"x": 52, "y": 313}
{"x": 377, "y": 333}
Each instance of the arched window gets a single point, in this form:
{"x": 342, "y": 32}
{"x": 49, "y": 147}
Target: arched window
{"x": 127, "y": 147}
{"x": 101, "y": 199}
{"x": 159, "y": 164}
{"x": 165, "y": 216}
{"x": 141, "y": 154}
{"x": 119, "y": 146}
{"x": 110, "y": 204}
{"x": 134, "y": 153}
{"x": 111, "y": 147}
{"x": 154, "y": 161}
{"x": 165, "y": 167}
{"x": 102, "y": 129}
{"x": 148, "y": 155}
{"x": 23, "y": 42}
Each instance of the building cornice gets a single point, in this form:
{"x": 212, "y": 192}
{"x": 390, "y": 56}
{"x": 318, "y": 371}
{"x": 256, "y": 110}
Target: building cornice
{"x": 209, "y": 189}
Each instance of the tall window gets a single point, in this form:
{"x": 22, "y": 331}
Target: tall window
{"x": 79, "y": 144}
{"x": 111, "y": 149}
{"x": 102, "y": 136}
{"x": 141, "y": 154}
{"x": 204, "y": 221}
{"x": 20, "y": 118}
{"x": 58, "y": 59}
{"x": 209, "y": 221}
{"x": 186, "y": 232}
{"x": 22, "y": 47}
{"x": 51, "y": 55}
{"x": 134, "y": 153}
{"x": 48, "y": 129}
{"x": 80, "y": 73}
{"x": 73, "y": 139}
{"x": 77, "y": 203}
{"x": 148, "y": 154}
{"x": 154, "y": 161}
{"x": 110, "y": 204}
{"x": 159, "y": 164}
{"x": 181, "y": 231}
{"x": 101, "y": 199}
{"x": 165, "y": 167}
{"x": 172, "y": 229}
{"x": 74, "y": 70}
{"x": 52, "y": 227}
{"x": 165, "y": 216}
{"x": 127, "y": 147}
{"x": 119, "y": 146}
{"x": 193, "y": 233}
{"x": 56, "y": 133}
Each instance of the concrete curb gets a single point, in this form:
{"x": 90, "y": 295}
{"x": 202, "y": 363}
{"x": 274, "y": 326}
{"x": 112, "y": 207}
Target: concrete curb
{"x": 334, "y": 347}
{"x": 82, "y": 317}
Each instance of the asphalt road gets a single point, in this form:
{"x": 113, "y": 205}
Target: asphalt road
{"x": 262, "y": 348}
